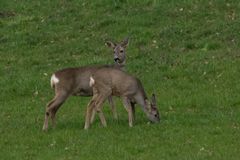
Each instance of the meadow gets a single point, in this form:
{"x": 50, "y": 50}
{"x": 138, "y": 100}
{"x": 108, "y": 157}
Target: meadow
{"x": 186, "y": 52}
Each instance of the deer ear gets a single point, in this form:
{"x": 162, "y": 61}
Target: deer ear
{"x": 125, "y": 42}
{"x": 110, "y": 44}
{"x": 153, "y": 100}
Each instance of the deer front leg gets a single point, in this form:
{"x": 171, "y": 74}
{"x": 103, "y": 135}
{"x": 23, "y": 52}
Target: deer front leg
{"x": 113, "y": 107}
{"x": 128, "y": 107}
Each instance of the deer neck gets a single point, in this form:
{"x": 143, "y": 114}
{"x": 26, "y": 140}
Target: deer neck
{"x": 119, "y": 66}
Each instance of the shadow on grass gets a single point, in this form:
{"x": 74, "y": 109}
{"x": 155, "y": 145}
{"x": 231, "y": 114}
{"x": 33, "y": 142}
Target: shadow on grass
{"x": 111, "y": 124}
{"x": 7, "y": 14}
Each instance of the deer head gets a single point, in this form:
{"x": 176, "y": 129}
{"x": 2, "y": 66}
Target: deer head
{"x": 119, "y": 53}
{"x": 153, "y": 114}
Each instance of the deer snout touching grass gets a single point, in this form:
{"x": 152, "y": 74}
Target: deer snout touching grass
{"x": 75, "y": 82}
{"x": 112, "y": 82}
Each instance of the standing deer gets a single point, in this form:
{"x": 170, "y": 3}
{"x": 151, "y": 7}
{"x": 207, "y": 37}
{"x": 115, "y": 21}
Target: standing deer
{"x": 113, "y": 82}
{"x": 75, "y": 82}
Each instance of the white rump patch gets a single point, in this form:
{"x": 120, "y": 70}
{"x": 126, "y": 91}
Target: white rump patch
{"x": 91, "y": 82}
{"x": 54, "y": 80}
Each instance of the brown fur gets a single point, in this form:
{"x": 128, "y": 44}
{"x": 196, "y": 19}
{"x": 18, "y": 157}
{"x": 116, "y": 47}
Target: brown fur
{"x": 113, "y": 82}
{"x": 75, "y": 82}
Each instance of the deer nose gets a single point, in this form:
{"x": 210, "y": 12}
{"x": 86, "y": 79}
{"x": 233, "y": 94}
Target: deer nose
{"x": 116, "y": 59}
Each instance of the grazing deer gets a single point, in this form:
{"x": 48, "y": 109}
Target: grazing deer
{"x": 113, "y": 82}
{"x": 75, "y": 81}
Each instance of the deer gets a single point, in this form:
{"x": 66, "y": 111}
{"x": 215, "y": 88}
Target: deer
{"x": 75, "y": 82}
{"x": 113, "y": 82}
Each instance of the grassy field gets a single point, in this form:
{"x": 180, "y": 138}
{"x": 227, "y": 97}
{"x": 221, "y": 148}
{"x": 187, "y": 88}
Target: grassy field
{"x": 187, "y": 52}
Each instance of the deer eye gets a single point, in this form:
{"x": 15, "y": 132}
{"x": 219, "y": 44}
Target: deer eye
{"x": 121, "y": 51}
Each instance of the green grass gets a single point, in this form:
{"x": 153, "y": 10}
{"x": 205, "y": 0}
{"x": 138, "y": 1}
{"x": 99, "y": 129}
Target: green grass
{"x": 187, "y": 52}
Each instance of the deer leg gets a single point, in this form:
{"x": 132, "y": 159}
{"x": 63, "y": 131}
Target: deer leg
{"x": 52, "y": 108}
{"x": 98, "y": 107}
{"x": 133, "y": 110}
{"x": 96, "y": 96}
{"x": 45, "y": 125}
{"x": 113, "y": 107}
{"x": 93, "y": 115}
{"x": 59, "y": 101}
{"x": 106, "y": 92}
{"x": 103, "y": 93}
{"x": 90, "y": 107}
{"x": 128, "y": 107}
{"x": 96, "y": 104}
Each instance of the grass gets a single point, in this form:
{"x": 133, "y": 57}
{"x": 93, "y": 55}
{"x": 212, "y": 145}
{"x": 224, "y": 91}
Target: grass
{"x": 187, "y": 52}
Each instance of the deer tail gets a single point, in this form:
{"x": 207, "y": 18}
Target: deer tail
{"x": 54, "y": 80}
{"x": 91, "y": 82}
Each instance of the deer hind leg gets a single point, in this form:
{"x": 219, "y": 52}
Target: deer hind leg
{"x": 128, "y": 107}
{"x": 98, "y": 108}
{"x": 113, "y": 107}
{"x": 96, "y": 105}
{"x": 133, "y": 110}
{"x": 45, "y": 125}
{"x": 90, "y": 108}
{"x": 52, "y": 108}
{"x": 104, "y": 93}
{"x": 95, "y": 97}
{"x": 100, "y": 94}
{"x": 93, "y": 115}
